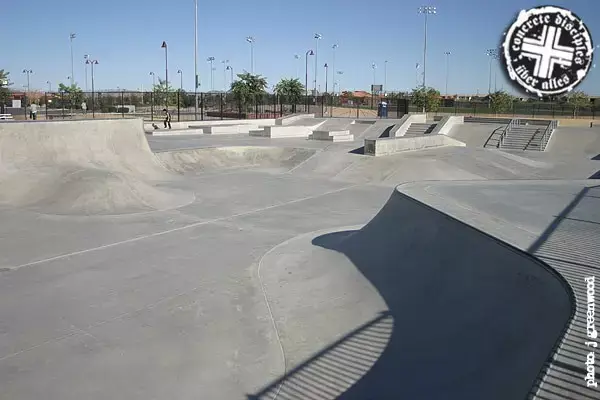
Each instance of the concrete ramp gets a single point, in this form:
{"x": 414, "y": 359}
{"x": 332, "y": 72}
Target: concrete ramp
{"x": 81, "y": 168}
{"x": 575, "y": 141}
{"x": 454, "y": 313}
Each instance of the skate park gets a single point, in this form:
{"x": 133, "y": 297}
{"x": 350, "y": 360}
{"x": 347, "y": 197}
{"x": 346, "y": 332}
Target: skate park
{"x": 297, "y": 258}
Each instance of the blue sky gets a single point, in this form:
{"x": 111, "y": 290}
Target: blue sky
{"x": 125, "y": 37}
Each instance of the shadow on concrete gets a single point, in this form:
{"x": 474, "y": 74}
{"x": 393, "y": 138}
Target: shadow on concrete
{"x": 595, "y": 175}
{"x": 360, "y": 150}
{"x": 473, "y": 317}
{"x": 596, "y": 158}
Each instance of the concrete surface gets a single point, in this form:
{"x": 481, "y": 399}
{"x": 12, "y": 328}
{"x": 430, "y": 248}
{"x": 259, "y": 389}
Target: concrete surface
{"x": 237, "y": 267}
{"x": 392, "y": 145}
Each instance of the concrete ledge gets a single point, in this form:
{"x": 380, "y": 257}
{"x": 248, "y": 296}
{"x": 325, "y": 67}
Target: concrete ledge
{"x": 332, "y": 136}
{"x": 175, "y": 132}
{"x": 229, "y": 129}
{"x": 202, "y": 124}
{"x": 386, "y": 146}
{"x": 288, "y": 119}
{"x": 447, "y": 123}
{"x": 404, "y": 123}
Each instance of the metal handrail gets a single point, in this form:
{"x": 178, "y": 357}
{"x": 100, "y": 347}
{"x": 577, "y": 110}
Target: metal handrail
{"x": 531, "y": 138}
{"x": 549, "y": 129}
{"x": 492, "y": 135}
{"x": 513, "y": 122}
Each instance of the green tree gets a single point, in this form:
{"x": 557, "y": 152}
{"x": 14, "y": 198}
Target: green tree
{"x": 291, "y": 90}
{"x": 162, "y": 92}
{"x": 4, "y": 84}
{"x": 501, "y": 102}
{"x": 73, "y": 95}
{"x": 427, "y": 99}
{"x": 247, "y": 87}
{"x": 578, "y": 100}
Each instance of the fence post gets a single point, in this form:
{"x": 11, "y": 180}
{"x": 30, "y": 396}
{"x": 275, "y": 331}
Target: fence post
{"x": 178, "y": 105}
{"x": 256, "y": 106}
{"x": 46, "y": 103}
{"x": 221, "y": 105}
{"x": 201, "y": 106}
{"x": 62, "y": 103}
{"x": 151, "y": 106}
{"x": 123, "y": 103}
{"x": 357, "y": 109}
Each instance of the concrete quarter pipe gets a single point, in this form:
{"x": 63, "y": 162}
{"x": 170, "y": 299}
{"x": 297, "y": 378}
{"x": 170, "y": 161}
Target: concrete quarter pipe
{"x": 458, "y": 316}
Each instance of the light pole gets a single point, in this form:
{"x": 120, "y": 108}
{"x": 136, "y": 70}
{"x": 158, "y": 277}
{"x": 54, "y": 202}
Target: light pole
{"x": 385, "y": 75}
{"x": 71, "y": 37}
{"x": 374, "y": 67}
{"x": 335, "y": 46}
{"x": 151, "y": 74}
{"x": 326, "y": 74}
{"x": 493, "y": 55}
{"x": 92, "y": 63}
{"x": 297, "y": 57}
{"x": 180, "y": 72}
{"x": 211, "y": 60}
{"x": 251, "y": 40}
{"x": 85, "y": 57}
{"x": 447, "y": 53}
{"x": 28, "y": 72}
{"x": 317, "y": 37}
{"x": 225, "y": 62}
{"x": 308, "y": 53}
{"x": 196, "y": 58}
{"x": 49, "y": 86}
{"x": 164, "y": 46}
{"x": 426, "y": 10}
{"x": 229, "y": 67}
{"x": 340, "y": 73}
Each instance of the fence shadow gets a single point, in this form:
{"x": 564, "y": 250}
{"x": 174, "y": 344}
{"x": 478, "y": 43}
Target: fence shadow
{"x": 473, "y": 318}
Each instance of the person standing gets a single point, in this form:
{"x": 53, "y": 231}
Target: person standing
{"x": 84, "y": 108}
{"x": 167, "y": 118}
{"x": 33, "y": 111}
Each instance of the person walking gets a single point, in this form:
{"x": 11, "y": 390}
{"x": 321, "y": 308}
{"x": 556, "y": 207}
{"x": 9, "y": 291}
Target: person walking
{"x": 84, "y": 107}
{"x": 33, "y": 111}
{"x": 167, "y": 118}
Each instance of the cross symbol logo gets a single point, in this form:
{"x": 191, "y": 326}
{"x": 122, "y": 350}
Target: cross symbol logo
{"x": 547, "y": 52}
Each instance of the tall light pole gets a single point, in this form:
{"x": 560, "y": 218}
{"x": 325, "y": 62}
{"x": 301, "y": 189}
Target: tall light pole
{"x": 333, "y": 47}
{"x": 385, "y": 76}
{"x": 92, "y": 63}
{"x": 49, "y": 86}
{"x": 493, "y": 55}
{"x": 230, "y": 68}
{"x": 151, "y": 74}
{"x": 225, "y": 62}
{"x": 211, "y": 60}
{"x": 426, "y": 10}
{"x": 447, "y": 53}
{"x": 308, "y": 53}
{"x": 297, "y": 58}
{"x": 85, "y": 57}
{"x": 340, "y": 73}
{"x": 326, "y": 74}
{"x": 196, "y": 80}
{"x": 317, "y": 37}
{"x": 28, "y": 72}
{"x": 164, "y": 46}
{"x": 180, "y": 72}
{"x": 71, "y": 37}
{"x": 251, "y": 40}
{"x": 374, "y": 66}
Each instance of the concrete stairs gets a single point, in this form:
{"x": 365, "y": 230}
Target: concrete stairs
{"x": 524, "y": 137}
{"x": 419, "y": 129}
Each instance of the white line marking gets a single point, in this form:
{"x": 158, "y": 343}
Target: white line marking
{"x": 181, "y": 228}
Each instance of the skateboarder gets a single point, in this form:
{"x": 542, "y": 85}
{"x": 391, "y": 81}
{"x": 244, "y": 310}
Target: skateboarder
{"x": 33, "y": 108}
{"x": 167, "y": 118}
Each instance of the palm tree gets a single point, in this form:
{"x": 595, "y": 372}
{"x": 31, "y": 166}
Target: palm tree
{"x": 291, "y": 90}
{"x": 247, "y": 88}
